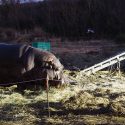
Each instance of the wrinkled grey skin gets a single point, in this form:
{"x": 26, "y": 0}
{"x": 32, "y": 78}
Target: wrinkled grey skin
{"x": 23, "y": 62}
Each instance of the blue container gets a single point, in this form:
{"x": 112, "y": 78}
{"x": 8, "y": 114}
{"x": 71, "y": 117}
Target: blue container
{"x": 42, "y": 45}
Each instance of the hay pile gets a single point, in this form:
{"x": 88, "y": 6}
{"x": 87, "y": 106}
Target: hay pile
{"x": 117, "y": 106}
{"x": 96, "y": 103}
{"x": 85, "y": 100}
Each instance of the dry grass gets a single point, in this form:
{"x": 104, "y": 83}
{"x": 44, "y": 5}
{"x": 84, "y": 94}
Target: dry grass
{"x": 95, "y": 100}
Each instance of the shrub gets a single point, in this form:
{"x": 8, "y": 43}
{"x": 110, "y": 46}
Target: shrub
{"x": 120, "y": 38}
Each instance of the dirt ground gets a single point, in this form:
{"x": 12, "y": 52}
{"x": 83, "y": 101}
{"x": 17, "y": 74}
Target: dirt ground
{"x": 82, "y": 54}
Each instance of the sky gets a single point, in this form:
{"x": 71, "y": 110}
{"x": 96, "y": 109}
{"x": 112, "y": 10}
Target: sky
{"x": 24, "y": 1}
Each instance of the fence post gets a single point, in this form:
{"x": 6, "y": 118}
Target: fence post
{"x": 47, "y": 91}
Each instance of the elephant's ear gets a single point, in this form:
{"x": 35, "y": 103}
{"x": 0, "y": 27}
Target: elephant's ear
{"x": 28, "y": 59}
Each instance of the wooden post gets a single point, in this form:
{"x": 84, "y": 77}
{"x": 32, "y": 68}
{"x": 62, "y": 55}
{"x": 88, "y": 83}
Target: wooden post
{"x": 119, "y": 71}
{"x": 47, "y": 91}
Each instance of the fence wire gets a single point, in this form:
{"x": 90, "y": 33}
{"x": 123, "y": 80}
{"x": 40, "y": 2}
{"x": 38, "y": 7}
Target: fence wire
{"x": 27, "y": 81}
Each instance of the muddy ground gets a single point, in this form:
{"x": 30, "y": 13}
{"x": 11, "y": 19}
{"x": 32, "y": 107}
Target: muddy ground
{"x": 94, "y": 99}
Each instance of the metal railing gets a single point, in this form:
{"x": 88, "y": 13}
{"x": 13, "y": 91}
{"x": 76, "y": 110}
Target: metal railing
{"x": 111, "y": 61}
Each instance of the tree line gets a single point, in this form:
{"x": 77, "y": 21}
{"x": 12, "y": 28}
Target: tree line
{"x": 66, "y": 18}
